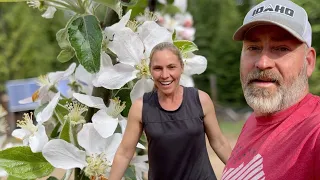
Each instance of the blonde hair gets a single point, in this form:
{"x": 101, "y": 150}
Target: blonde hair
{"x": 167, "y": 46}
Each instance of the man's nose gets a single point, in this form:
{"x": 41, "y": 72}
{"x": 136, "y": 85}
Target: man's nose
{"x": 264, "y": 61}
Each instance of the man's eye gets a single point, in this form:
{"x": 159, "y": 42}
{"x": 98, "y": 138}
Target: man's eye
{"x": 282, "y": 49}
{"x": 254, "y": 48}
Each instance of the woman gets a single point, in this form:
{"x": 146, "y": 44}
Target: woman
{"x": 175, "y": 120}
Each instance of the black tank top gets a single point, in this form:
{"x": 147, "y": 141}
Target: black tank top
{"x": 176, "y": 139}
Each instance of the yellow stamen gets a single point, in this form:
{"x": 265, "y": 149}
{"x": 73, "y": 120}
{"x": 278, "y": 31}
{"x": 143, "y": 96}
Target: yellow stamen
{"x": 27, "y": 123}
{"x": 143, "y": 68}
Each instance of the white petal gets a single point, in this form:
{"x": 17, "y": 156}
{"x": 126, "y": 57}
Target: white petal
{"x": 105, "y": 61}
{"x": 26, "y": 100}
{"x": 109, "y": 31}
{"x": 38, "y": 140}
{"x": 195, "y": 64}
{"x": 127, "y": 46}
{"x": 55, "y": 77}
{"x": 91, "y": 140}
{"x": 70, "y": 70}
{"x": 139, "y": 145}
{"x": 152, "y": 34}
{"x": 3, "y": 173}
{"x": 91, "y": 101}
{"x": 49, "y": 12}
{"x": 20, "y": 133}
{"x": 47, "y": 112}
{"x": 64, "y": 155}
{"x": 112, "y": 144}
{"x": 81, "y": 74}
{"x": 181, "y": 4}
{"x": 139, "y": 159}
{"x": 143, "y": 85}
{"x": 104, "y": 124}
{"x": 186, "y": 81}
{"x": 123, "y": 125}
{"x": 117, "y": 76}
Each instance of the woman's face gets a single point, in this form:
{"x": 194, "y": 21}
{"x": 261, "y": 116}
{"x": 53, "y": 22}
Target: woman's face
{"x": 166, "y": 70}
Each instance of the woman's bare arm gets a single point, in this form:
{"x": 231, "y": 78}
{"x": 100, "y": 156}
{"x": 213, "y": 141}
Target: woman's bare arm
{"x": 129, "y": 142}
{"x": 216, "y": 139}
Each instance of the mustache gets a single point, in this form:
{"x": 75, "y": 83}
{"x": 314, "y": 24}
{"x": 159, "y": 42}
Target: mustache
{"x": 265, "y": 75}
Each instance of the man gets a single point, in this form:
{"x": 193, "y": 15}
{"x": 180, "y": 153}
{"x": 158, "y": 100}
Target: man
{"x": 281, "y": 139}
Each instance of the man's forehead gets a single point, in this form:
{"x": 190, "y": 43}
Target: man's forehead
{"x": 272, "y": 32}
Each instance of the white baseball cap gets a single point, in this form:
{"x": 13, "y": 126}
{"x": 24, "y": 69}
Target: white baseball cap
{"x": 283, "y": 13}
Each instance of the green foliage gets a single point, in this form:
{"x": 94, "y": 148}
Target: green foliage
{"x": 312, "y": 6}
{"x": 66, "y": 132}
{"x": 130, "y": 173}
{"x": 215, "y": 23}
{"x": 14, "y": 178}
{"x": 85, "y": 37}
{"x": 21, "y": 162}
{"x": 27, "y": 44}
{"x": 185, "y": 46}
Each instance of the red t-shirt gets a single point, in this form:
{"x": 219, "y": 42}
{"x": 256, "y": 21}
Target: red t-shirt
{"x": 284, "y": 146}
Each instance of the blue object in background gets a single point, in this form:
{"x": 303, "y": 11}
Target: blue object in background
{"x": 23, "y": 88}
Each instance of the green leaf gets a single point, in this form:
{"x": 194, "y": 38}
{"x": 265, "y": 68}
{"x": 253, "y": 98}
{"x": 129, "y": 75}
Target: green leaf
{"x": 143, "y": 138}
{"x": 62, "y": 35}
{"x": 60, "y": 110}
{"x": 129, "y": 2}
{"x": 85, "y": 36}
{"x": 171, "y": 9}
{"x": 14, "y": 178}
{"x": 113, "y": 4}
{"x": 40, "y": 108}
{"x": 130, "y": 173}
{"x": 21, "y": 162}
{"x": 174, "y": 35}
{"x": 185, "y": 46}
{"x": 62, "y": 38}
{"x": 55, "y": 131}
{"x": 66, "y": 133}
{"x": 65, "y": 55}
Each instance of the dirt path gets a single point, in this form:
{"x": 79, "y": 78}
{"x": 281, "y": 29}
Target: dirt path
{"x": 217, "y": 164}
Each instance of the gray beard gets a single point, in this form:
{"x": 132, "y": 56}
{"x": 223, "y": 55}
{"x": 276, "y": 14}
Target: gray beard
{"x": 264, "y": 101}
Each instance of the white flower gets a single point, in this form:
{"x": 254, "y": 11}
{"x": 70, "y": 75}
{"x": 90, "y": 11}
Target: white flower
{"x": 193, "y": 64}
{"x": 35, "y": 135}
{"x": 111, "y": 30}
{"x": 105, "y": 121}
{"x": 47, "y": 83}
{"x": 140, "y": 165}
{"x": 75, "y": 113}
{"x": 96, "y": 159}
{"x": 49, "y": 12}
{"x": 133, "y": 50}
{"x": 41, "y": 5}
{"x": 87, "y": 79}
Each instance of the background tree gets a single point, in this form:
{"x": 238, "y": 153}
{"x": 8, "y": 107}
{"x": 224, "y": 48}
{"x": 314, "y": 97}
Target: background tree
{"x": 28, "y": 46}
{"x": 216, "y": 22}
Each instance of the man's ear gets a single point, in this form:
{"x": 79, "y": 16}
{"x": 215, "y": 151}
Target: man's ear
{"x": 311, "y": 60}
